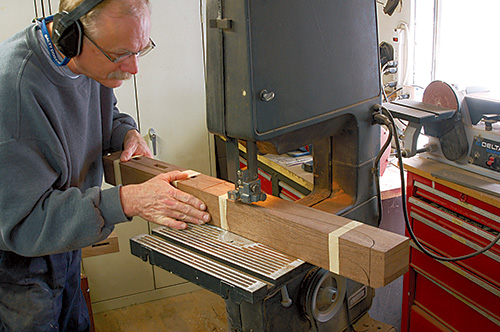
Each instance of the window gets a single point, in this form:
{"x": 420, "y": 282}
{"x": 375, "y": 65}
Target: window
{"x": 457, "y": 41}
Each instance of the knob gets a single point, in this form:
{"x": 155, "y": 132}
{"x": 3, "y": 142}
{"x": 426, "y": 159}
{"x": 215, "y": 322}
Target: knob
{"x": 266, "y": 95}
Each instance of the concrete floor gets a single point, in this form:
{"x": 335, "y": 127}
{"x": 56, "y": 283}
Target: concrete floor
{"x": 387, "y": 304}
{"x": 198, "y": 311}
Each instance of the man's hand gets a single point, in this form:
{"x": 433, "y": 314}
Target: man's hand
{"x": 159, "y": 202}
{"x": 134, "y": 145}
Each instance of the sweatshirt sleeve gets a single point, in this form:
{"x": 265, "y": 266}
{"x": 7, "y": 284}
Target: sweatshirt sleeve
{"x": 35, "y": 218}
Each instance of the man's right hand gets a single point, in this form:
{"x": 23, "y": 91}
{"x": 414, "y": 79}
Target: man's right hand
{"x": 158, "y": 201}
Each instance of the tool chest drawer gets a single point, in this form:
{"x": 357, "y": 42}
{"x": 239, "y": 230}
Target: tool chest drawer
{"x": 483, "y": 215}
{"x": 422, "y": 321}
{"x": 454, "y": 224}
{"x": 451, "y": 296}
{"x": 433, "y": 234}
{"x": 460, "y": 283}
{"x": 450, "y": 308}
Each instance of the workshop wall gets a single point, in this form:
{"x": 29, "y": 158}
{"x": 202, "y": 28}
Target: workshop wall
{"x": 16, "y": 15}
{"x": 171, "y": 87}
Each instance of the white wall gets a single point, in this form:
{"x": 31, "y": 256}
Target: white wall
{"x": 387, "y": 23}
{"x": 171, "y": 86}
{"x": 18, "y": 14}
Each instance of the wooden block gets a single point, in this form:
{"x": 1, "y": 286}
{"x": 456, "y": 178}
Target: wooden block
{"x": 108, "y": 246}
{"x": 357, "y": 251}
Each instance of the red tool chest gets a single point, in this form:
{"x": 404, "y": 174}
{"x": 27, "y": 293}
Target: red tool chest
{"x": 452, "y": 221}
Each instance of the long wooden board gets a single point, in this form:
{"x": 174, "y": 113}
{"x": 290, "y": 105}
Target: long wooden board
{"x": 357, "y": 251}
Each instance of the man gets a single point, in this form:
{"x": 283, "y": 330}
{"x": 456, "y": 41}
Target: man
{"x": 55, "y": 124}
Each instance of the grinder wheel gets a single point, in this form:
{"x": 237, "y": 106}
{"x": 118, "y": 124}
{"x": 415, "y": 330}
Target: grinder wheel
{"x": 441, "y": 94}
{"x": 451, "y": 132}
{"x": 325, "y": 295}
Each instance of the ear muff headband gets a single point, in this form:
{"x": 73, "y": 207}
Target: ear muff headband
{"x": 67, "y": 30}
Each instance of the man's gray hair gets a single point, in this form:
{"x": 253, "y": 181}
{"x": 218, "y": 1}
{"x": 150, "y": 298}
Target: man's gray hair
{"x": 90, "y": 20}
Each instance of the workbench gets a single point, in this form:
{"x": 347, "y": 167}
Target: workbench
{"x": 453, "y": 212}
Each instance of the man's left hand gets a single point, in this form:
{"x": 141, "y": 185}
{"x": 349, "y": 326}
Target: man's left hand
{"x": 134, "y": 145}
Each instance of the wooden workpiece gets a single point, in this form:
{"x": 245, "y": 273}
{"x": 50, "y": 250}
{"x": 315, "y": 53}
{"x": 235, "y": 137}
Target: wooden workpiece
{"x": 357, "y": 251}
{"x": 108, "y": 246}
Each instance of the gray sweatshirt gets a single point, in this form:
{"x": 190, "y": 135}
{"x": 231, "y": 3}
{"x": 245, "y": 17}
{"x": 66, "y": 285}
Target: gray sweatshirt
{"x": 53, "y": 132}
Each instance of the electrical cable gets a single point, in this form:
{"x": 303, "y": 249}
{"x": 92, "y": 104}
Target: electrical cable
{"x": 384, "y": 94}
{"x": 391, "y": 84}
{"x": 405, "y": 210}
{"x": 382, "y": 120}
{"x": 403, "y": 51}
{"x": 391, "y": 70}
{"x": 382, "y": 84}
{"x": 36, "y": 9}
{"x": 389, "y": 64}
{"x": 350, "y": 328}
{"x": 43, "y": 8}
{"x": 138, "y": 113}
{"x": 388, "y": 67}
{"x": 203, "y": 47}
{"x": 395, "y": 91}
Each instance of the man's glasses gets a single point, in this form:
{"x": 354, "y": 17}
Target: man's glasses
{"x": 122, "y": 58}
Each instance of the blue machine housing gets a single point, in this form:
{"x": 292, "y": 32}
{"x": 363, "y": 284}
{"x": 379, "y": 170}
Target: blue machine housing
{"x": 319, "y": 59}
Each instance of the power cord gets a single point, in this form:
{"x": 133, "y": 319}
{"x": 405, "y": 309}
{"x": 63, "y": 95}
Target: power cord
{"x": 390, "y": 67}
{"x": 382, "y": 120}
{"x": 394, "y": 92}
{"x": 137, "y": 110}
{"x": 383, "y": 112}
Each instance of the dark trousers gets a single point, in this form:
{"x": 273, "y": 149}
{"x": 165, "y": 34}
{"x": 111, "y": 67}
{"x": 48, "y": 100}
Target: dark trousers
{"x": 42, "y": 293}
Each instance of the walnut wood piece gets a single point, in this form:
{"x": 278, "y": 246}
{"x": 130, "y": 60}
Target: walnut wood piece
{"x": 108, "y": 246}
{"x": 367, "y": 254}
